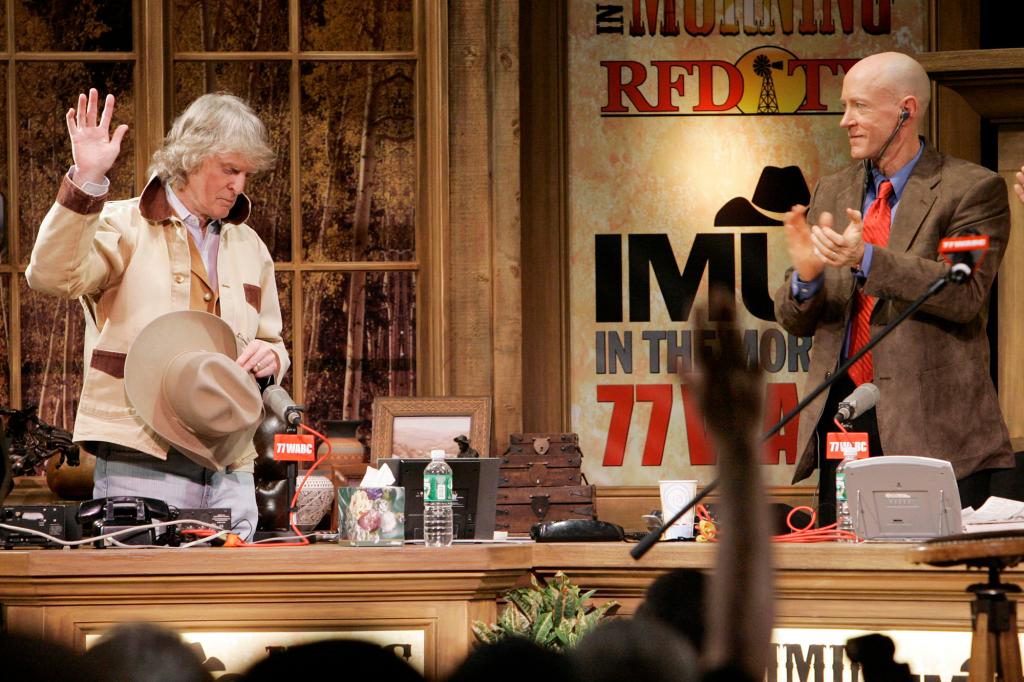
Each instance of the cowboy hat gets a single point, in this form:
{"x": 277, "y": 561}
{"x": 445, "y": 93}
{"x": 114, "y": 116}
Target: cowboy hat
{"x": 777, "y": 191}
{"x": 181, "y": 377}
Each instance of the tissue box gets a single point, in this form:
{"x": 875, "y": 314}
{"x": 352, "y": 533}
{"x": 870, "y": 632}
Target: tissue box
{"x": 371, "y": 516}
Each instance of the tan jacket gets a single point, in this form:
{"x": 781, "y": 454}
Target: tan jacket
{"x": 129, "y": 262}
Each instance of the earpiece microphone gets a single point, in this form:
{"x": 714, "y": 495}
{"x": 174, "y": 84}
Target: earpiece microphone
{"x": 869, "y": 162}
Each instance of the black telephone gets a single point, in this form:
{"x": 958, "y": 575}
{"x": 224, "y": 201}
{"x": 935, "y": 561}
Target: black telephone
{"x": 107, "y": 514}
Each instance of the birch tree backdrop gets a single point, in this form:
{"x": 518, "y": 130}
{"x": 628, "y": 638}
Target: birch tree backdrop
{"x": 51, "y": 330}
{"x": 337, "y": 211}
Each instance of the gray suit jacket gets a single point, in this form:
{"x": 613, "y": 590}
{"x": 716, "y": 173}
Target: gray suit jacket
{"x": 937, "y": 398}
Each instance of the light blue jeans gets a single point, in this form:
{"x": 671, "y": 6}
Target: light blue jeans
{"x": 178, "y": 481}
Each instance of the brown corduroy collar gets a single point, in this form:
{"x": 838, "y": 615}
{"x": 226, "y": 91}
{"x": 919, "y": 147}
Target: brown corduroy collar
{"x": 153, "y": 205}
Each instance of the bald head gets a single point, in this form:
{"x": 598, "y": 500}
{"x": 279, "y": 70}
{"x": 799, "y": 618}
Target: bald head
{"x": 884, "y": 99}
{"x": 898, "y": 75}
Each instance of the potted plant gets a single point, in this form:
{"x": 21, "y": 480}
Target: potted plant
{"x": 554, "y": 615}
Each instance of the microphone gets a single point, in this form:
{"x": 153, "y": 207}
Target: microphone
{"x": 904, "y": 115}
{"x": 964, "y": 253}
{"x": 863, "y": 398}
{"x": 280, "y": 404}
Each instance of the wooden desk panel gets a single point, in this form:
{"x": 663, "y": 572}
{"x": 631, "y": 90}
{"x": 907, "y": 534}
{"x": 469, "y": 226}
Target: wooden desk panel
{"x": 824, "y": 585}
{"x": 67, "y": 595}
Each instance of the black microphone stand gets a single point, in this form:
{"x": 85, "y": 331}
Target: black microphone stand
{"x": 654, "y": 536}
{"x": 291, "y": 467}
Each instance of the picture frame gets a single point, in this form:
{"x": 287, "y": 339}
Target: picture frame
{"x": 411, "y": 427}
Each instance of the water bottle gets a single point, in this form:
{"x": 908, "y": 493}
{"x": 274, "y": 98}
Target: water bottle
{"x": 437, "y": 501}
{"x": 844, "y": 520}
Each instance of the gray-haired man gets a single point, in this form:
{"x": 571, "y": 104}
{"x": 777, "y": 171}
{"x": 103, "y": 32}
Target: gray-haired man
{"x": 182, "y": 245}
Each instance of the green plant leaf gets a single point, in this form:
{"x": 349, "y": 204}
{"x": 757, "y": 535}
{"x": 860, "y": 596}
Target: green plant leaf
{"x": 554, "y": 614}
{"x": 542, "y": 630}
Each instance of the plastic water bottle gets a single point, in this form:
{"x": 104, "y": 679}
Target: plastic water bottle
{"x": 437, "y": 501}
{"x": 844, "y": 520}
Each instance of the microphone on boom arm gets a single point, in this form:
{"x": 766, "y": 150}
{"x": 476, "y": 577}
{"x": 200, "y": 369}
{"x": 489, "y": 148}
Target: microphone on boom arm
{"x": 280, "y": 404}
{"x": 863, "y": 399}
{"x": 964, "y": 253}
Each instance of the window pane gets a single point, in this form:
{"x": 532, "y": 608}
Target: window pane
{"x": 264, "y": 85}
{"x": 356, "y": 25}
{"x": 43, "y": 146}
{"x": 84, "y": 25}
{"x": 5, "y": 340}
{"x": 230, "y": 25}
{"x": 284, "y": 293}
{"x": 358, "y": 161}
{"x": 51, "y": 355}
{"x": 377, "y": 310}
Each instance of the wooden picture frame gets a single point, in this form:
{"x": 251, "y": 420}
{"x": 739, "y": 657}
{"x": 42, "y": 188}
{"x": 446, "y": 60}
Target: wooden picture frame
{"x": 423, "y": 423}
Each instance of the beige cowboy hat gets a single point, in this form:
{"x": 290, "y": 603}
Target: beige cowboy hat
{"x": 181, "y": 377}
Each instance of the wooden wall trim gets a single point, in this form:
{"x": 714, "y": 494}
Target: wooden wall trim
{"x": 471, "y": 236}
{"x": 483, "y": 251}
{"x": 507, "y": 313}
{"x": 153, "y": 67}
{"x": 955, "y": 126}
{"x": 1011, "y": 283}
{"x": 12, "y": 266}
{"x": 433, "y": 377}
{"x": 545, "y": 332}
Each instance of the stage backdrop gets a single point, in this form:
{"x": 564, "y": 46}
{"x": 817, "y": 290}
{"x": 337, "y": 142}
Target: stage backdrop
{"x": 693, "y": 125}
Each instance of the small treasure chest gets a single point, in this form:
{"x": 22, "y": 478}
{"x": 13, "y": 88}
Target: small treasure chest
{"x": 540, "y": 480}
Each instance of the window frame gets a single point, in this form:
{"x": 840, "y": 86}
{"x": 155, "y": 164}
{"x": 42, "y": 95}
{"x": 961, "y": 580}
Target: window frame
{"x": 154, "y": 59}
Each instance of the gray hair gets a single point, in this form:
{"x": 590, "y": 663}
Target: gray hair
{"x": 213, "y": 124}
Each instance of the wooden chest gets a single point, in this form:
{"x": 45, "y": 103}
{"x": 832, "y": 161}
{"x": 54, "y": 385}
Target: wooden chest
{"x": 540, "y": 480}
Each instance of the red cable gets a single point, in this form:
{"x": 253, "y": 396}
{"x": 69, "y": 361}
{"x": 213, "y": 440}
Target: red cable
{"x": 303, "y": 540}
{"x": 807, "y": 534}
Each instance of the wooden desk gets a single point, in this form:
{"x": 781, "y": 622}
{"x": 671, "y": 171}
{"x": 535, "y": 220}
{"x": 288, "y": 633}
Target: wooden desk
{"x": 824, "y": 585}
{"x": 67, "y": 596}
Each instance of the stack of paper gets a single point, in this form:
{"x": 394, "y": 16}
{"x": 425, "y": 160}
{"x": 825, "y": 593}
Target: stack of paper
{"x": 998, "y": 513}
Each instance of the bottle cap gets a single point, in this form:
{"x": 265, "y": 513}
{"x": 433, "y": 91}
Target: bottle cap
{"x": 437, "y": 454}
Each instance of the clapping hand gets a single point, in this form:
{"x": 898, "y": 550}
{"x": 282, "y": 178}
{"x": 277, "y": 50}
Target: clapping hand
{"x": 802, "y": 254}
{"x": 839, "y": 250}
{"x": 92, "y": 146}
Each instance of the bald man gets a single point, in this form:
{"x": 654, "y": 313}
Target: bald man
{"x": 861, "y": 252}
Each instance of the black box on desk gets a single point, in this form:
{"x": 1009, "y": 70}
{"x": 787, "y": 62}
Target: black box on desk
{"x": 475, "y": 484}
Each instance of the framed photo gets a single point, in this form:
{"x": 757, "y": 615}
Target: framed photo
{"x": 412, "y": 427}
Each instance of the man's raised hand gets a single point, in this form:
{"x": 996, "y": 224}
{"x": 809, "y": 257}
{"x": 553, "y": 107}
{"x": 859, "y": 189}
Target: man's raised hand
{"x": 93, "y": 148}
{"x": 728, "y": 388}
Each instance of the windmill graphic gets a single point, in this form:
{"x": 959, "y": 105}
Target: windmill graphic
{"x": 767, "y": 103}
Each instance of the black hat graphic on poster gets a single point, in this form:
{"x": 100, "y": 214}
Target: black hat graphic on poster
{"x": 778, "y": 189}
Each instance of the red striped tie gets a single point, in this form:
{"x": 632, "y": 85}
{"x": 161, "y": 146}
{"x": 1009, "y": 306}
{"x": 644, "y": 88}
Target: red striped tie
{"x": 876, "y": 231}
